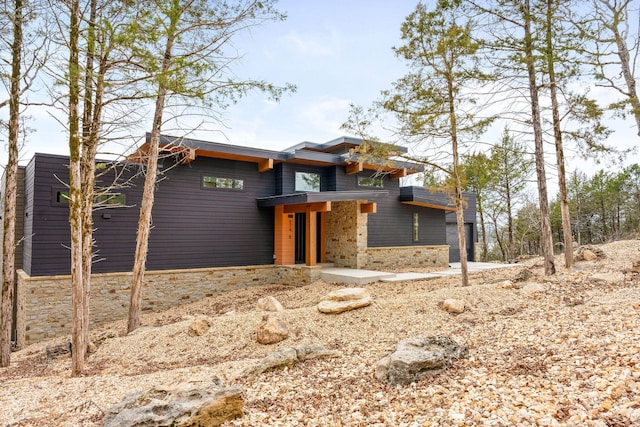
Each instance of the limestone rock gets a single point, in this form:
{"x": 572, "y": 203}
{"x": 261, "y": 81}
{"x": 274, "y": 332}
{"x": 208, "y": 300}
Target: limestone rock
{"x": 199, "y": 327}
{"x": 272, "y": 330}
{"x": 589, "y": 253}
{"x": 636, "y": 266}
{"x": 269, "y": 304}
{"x": 610, "y": 277}
{"x": 415, "y": 357}
{"x": 181, "y": 405}
{"x": 344, "y": 300}
{"x": 289, "y": 357}
{"x": 533, "y": 288}
{"x": 452, "y": 305}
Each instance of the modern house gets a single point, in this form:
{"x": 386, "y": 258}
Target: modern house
{"x": 250, "y": 213}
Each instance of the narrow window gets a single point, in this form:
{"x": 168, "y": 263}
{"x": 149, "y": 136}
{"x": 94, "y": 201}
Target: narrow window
{"x": 222, "y": 183}
{"x": 110, "y": 200}
{"x": 306, "y": 181}
{"x": 62, "y": 197}
{"x": 416, "y": 227}
{"x": 370, "y": 181}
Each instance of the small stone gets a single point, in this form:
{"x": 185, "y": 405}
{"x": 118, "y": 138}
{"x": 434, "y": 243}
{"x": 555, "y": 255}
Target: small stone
{"x": 588, "y": 255}
{"x": 269, "y": 304}
{"x": 452, "y": 305}
{"x": 272, "y": 330}
{"x": 607, "y": 404}
{"x": 533, "y": 288}
{"x": 199, "y": 327}
{"x": 636, "y": 266}
{"x": 347, "y": 294}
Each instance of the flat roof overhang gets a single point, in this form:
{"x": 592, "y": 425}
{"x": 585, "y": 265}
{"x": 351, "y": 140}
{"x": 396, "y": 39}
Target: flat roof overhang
{"x": 322, "y": 196}
{"x": 419, "y": 196}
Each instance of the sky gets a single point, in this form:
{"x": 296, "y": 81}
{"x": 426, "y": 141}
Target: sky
{"x": 335, "y": 52}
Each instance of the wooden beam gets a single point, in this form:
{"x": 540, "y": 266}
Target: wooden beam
{"x": 399, "y": 173}
{"x": 322, "y": 237}
{"x": 188, "y": 155}
{"x": 302, "y": 207}
{"x": 265, "y": 165}
{"x": 368, "y": 208}
{"x": 354, "y": 168}
{"x": 311, "y": 254}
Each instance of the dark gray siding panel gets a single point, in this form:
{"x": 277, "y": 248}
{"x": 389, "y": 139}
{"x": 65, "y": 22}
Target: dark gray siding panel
{"x": 192, "y": 226}
{"x": 392, "y": 224}
{"x": 27, "y": 244}
{"x": 287, "y": 177}
{"x": 20, "y": 218}
{"x": 202, "y": 227}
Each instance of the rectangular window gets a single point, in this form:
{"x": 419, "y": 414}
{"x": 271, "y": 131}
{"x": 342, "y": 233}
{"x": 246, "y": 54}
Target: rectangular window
{"x": 110, "y": 199}
{"x": 416, "y": 227}
{"x": 370, "y": 181}
{"x": 306, "y": 181}
{"x": 222, "y": 183}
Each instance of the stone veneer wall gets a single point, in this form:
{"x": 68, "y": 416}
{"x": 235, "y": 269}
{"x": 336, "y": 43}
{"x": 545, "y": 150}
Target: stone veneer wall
{"x": 408, "y": 256}
{"x": 346, "y": 235}
{"x": 44, "y": 303}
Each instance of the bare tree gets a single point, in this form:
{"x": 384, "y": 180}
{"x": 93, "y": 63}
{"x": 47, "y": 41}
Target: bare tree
{"x": 193, "y": 66}
{"x": 10, "y": 190}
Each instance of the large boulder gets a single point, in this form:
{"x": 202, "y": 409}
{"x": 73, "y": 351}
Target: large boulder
{"x": 415, "y": 357}
{"x": 344, "y": 300}
{"x": 182, "y": 405}
{"x": 272, "y": 330}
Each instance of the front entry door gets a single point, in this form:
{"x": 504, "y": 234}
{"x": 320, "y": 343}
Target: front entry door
{"x": 300, "y": 240}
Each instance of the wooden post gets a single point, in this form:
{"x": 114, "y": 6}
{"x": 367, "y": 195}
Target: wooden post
{"x": 310, "y": 240}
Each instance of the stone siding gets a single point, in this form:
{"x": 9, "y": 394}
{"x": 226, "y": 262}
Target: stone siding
{"x": 346, "y": 235}
{"x": 44, "y": 303}
{"x": 408, "y": 256}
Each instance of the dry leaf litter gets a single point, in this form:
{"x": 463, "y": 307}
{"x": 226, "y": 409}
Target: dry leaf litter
{"x": 550, "y": 351}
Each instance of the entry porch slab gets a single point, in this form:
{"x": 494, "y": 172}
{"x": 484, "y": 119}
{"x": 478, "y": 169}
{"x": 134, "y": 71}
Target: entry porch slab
{"x": 353, "y": 276}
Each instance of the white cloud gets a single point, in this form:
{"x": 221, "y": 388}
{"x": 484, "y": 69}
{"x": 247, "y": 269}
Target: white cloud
{"x": 320, "y": 44}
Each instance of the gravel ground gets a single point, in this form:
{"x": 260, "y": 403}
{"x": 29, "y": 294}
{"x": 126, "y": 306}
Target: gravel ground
{"x": 559, "y": 350}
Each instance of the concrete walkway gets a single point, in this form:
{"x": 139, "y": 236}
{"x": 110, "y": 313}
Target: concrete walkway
{"x": 362, "y": 277}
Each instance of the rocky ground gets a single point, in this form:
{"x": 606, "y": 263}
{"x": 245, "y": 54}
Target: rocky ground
{"x": 559, "y": 350}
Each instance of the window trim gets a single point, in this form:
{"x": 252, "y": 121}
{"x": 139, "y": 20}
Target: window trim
{"x": 206, "y": 187}
{"x": 372, "y": 178}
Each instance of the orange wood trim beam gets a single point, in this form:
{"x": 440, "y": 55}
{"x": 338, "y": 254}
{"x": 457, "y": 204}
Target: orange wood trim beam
{"x": 302, "y": 207}
{"x": 310, "y": 237}
{"x": 188, "y": 155}
{"x": 399, "y": 173}
{"x": 322, "y": 237}
{"x": 265, "y": 165}
{"x": 354, "y": 168}
{"x": 367, "y": 208}
{"x": 284, "y": 249}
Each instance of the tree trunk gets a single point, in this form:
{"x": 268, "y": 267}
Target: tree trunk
{"x": 509, "y": 218}
{"x": 88, "y": 166}
{"x": 79, "y": 330}
{"x": 626, "y": 68}
{"x": 557, "y": 136}
{"x": 144, "y": 221}
{"x": 485, "y": 244}
{"x": 545, "y": 222}
{"x": 10, "y": 192}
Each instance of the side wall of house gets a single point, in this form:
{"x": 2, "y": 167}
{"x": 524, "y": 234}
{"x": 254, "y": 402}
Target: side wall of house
{"x": 193, "y": 226}
{"x": 470, "y": 228}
